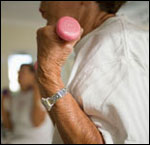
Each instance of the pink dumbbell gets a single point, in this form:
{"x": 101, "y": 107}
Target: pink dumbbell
{"x": 68, "y": 28}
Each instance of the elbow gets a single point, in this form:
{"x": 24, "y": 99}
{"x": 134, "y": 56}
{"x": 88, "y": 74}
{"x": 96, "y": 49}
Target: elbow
{"x": 82, "y": 140}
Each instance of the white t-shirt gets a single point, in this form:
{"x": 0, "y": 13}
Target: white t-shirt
{"x": 110, "y": 80}
{"x": 24, "y": 131}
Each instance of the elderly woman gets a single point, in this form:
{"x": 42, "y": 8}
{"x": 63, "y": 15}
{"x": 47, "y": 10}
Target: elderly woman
{"x": 107, "y": 94}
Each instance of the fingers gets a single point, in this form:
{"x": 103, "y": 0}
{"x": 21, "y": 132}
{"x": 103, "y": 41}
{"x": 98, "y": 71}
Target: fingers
{"x": 48, "y": 34}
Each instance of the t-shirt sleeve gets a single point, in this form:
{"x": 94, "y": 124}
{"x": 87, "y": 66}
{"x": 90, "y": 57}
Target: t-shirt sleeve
{"x": 100, "y": 74}
{"x": 100, "y": 98}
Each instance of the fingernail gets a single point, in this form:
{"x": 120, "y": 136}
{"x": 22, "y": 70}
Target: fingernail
{"x": 82, "y": 30}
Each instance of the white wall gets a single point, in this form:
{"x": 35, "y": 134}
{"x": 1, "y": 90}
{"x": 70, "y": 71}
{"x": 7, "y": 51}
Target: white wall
{"x": 15, "y": 39}
{"x": 19, "y": 21}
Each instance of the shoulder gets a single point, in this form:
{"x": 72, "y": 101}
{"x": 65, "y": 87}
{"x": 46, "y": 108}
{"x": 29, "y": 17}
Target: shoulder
{"x": 101, "y": 58}
{"x": 105, "y": 45}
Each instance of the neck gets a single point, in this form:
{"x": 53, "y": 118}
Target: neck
{"x": 94, "y": 20}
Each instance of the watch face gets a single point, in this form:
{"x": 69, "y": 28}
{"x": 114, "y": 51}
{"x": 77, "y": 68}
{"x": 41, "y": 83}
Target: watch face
{"x": 46, "y": 103}
{"x": 49, "y": 102}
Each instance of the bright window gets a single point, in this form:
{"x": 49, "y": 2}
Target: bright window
{"x": 14, "y": 63}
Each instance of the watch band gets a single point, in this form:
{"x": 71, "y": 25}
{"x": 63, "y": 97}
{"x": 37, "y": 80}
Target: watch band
{"x": 50, "y": 101}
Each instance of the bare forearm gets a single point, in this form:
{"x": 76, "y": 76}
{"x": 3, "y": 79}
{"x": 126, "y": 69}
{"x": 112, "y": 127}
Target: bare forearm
{"x": 38, "y": 114}
{"x": 7, "y": 122}
{"x": 74, "y": 126}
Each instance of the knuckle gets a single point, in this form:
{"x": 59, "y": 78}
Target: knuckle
{"x": 45, "y": 31}
{"x": 42, "y": 30}
{"x": 39, "y": 31}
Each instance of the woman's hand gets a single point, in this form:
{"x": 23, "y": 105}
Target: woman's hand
{"x": 73, "y": 124}
{"x": 52, "y": 54}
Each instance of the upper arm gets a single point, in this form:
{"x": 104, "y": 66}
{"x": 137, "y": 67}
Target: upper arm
{"x": 38, "y": 111}
{"x": 38, "y": 115}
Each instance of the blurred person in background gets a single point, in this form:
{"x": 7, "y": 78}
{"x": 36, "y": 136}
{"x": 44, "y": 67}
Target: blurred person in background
{"x": 23, "y": 114}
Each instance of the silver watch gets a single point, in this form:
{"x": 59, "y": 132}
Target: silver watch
{"x": 50, "y": 101}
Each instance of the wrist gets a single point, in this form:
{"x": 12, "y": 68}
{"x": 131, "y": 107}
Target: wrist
{"x": 49, "y": 78}
{"x": 51, "y": 101}
{"x": 55, "y": 85}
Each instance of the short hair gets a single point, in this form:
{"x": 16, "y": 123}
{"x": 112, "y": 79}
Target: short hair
{"x": 110, "y": 6}
{"x": 30, "y": 66}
